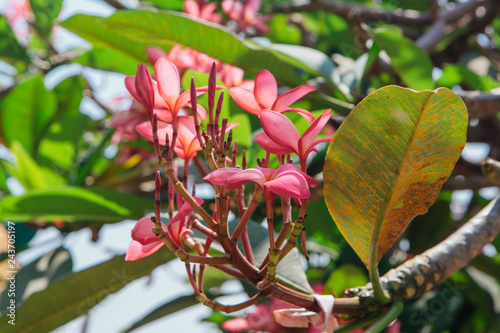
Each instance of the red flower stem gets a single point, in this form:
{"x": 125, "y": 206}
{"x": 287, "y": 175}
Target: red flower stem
{"x": 204, "y": 230}
{"x": 194, "y": 107}
{"x": 234, "y": 153}
{"x": 191, "y": 278}
{"x": 270, "y": 221}
{"x": 296, "y": 231}
{"x": 156, "y": 143}
{"x": 202, "y": 298}
{"x": 157, "y": 199}
{"x": 174, "y": 137}
{"x": 211, "y": 93}
{"x": 185, "y": 172}
{"x": 181, "y": 254}
{"x": 303, "y": 242}
{"x": 248, "y": 212}
{"x": 221, "y": 199}
{"x": 231, "y": 271}
{"x": 247, "y": 247}
{"x": 187, "y": 197}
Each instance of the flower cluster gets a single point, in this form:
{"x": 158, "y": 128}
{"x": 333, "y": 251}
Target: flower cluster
{"x": 182, "y": 129}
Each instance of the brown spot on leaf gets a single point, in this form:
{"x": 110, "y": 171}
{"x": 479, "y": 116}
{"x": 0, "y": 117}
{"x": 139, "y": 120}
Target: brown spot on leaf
{"x": 416, "y": 200}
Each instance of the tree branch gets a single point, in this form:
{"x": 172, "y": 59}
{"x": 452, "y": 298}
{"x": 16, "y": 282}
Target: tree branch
{"x": 431, "y": 268}
{"x": 353, "y": 11}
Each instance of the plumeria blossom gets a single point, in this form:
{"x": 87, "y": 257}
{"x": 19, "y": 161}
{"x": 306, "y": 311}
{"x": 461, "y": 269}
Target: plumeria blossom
{"x": 233, "y": 77}
{"x": 202, "y": 10}
{"x": 281, "y": 137}
{"x": 287, "y": 180}
{"x": 164, "y": 96}
{"x": 246, "y": 15}
{"x": 265, "y": 96}
{"x": 145, "y": 243}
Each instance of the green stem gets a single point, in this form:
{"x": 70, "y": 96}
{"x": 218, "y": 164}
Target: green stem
{"x": 357, "y": 323}
{"x": 384, "y": 321}
{"x": 381, "y": 295}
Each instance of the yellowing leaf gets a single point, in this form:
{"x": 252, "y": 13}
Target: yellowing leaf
{"x": 388, "y": 161}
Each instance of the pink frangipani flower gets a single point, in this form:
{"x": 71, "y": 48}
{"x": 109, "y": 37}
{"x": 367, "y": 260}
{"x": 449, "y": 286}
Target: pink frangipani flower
{"x": 246, "y": 15}
{"x": 287, "y": 180}
{"x": 202, "y": 10}
{"x": 265, "y": 96}
{"x": 145, "y": 243}
{"x": 281, "y": 137}
{"x": 163, "y": 96}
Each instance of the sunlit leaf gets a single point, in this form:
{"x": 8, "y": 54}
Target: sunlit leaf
{"x": 345, "y": 277}
{"x": 76, "y": 294}
{"x": 410, "y": 62}
{"x": 387, "y": 162}
{"x": 58, "y": 146}
{"x": 27, "y": 112}
{"x": 454, "y": 74}
{"x": 46, "y": 11}
{"x": 73, "y": 204}
{"x": 9, "y": 46}
{"x": 132, "y": 31}
{"x": 109, "y": 59}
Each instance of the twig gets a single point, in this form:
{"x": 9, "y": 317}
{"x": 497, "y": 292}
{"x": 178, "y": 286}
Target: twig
{"x": 115, "y": 4}
{"x": 351, "y": 11}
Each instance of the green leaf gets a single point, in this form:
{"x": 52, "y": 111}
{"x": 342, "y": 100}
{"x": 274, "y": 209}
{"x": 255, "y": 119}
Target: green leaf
{"x": 9, "y": 45}
{"x": 73, "y": 204}
{"x": 345, "y": 277}
{"x": 108, "y": 59}
{"x": 454, "y": 74}
{"x": 58, "y": 146}
{"x": 170, "y": 4}
{"x": 27, "y": 112}
{"x": 76, "y": 294}
{"x": 46, "y": 12}
{"x": 388, "y": 160}
{"x": 410, "y": 62}
{"x": 38, "y": 275}
{"x": 132, "y": 31}
{"x": 25, "y": 169}
{"x": 319, "y": 63}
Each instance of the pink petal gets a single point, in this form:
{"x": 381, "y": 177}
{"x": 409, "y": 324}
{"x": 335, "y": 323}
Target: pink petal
{"x": 142, "y": 231}
{"x": 191, "y": 7}
{"x": 130, "y": 85}
{"x": 288, "y": 167}
{"x": 146, "y": 130}
{"x": 291, "y": 96}
{"x": 250, "y": 10}
{"x": 291, "y": 184}
{"x": 154, "y": 53}
{"x": 168, "y": 79}
{"x": 314, "y": 129}
{"x": 165, "y": 115}
{"x": 144, "y": 88}
{"x": 185, "y": 97}
{"x": 138, "y": 251}
{"x": 219, "y": 176}
{"x": 245, "y": 99}
{"x": 245, "y": 176}
{"x": 266, "y": 89}
{"x": 304, "y": 113}
{"x": 270, "y": 146}
{"x": 280, "y": 129}
{"x": 236, "y": 325}
{"x": 207, "y": 10}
